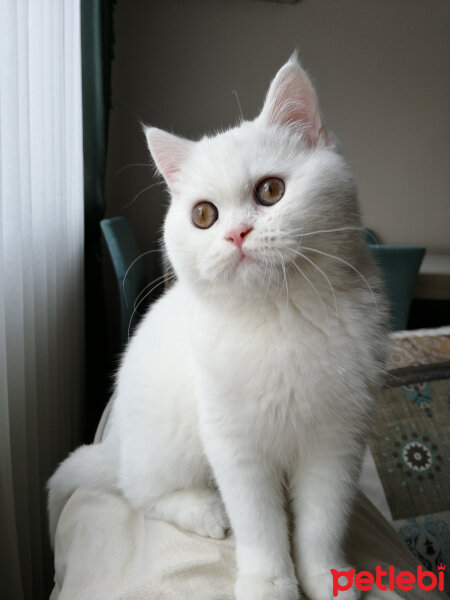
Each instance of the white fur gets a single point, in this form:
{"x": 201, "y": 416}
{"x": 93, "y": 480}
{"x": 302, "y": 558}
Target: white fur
{"x": 257, "y": 376}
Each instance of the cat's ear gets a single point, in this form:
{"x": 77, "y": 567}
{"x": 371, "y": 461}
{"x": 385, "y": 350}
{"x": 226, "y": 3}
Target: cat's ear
{"x": 291, "y": 101}
{"x": 168, "y": 151}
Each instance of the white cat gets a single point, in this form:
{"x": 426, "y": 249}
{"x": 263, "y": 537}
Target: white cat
{"x": 256, "y": 369}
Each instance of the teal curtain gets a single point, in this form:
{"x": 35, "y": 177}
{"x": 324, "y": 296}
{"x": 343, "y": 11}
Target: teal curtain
{"x": 97, "y": 44}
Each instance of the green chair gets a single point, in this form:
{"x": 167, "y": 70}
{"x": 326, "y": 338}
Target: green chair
{"x": 124, "y": 252}
{"x": 399, "y": 266}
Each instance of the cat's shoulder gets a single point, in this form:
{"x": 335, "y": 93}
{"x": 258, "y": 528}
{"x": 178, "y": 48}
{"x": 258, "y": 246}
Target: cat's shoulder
{"x": 164, "y": 315}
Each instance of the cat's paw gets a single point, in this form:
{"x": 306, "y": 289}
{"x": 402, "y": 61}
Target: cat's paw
{"x": 206, "y": 517}
{"x": 257, "y": 588}
{"x": 320, "y": 587}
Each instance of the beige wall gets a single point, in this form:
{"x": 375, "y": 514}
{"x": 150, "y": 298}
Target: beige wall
{"x": 382, "y": 72}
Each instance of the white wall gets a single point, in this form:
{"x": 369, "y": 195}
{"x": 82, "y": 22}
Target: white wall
{"x": 382, "y": 72}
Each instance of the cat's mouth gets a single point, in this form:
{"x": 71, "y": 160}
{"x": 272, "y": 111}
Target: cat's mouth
{"x": 244, "y": 258}
{"x": 247, "y": 260}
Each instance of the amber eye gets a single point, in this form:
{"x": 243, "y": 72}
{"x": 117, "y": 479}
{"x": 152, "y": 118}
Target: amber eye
{"x": 269, "y": 191}
{"x": 204, "y": 214}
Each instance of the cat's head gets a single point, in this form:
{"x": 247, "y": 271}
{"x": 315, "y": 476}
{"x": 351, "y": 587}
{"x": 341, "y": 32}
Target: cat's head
{"x": 244, "y": 200}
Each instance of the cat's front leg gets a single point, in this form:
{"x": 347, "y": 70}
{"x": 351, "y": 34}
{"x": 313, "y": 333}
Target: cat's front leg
{"x": 166, "y": 477}
{"x": 322, "y": 493}
{"x": 254, "y": 500}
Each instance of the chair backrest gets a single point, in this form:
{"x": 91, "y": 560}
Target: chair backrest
{"x": 399, "y": 266}
{"x": 130, "y": 273}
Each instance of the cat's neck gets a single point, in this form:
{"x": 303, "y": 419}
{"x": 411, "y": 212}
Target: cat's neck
{"x": 298, "y": 293}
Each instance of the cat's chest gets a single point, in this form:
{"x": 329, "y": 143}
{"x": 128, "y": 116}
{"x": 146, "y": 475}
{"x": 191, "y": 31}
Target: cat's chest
{"x": 267, "y": 352}
{"x": 268, "y": 379}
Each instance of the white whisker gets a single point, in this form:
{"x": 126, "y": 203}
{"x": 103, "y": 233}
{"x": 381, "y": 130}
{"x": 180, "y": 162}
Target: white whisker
{"x": 140, "y": 193}
{"x": 324, "y": 275}
{"x": 266, "y": 264}
{"x": 132, "y": 165}
{"x": 285, "y": 277}
{"x": 313, "y": 287}
{"x": 332, "y": 230}
{"x": 239, "y": 104}
{"x": 300, "y": 230}
{"x": 139, "y": 303}
{"x": 131, "y": 265}
{"x": 145, "y": 288}
{"x": 345, "y": 262}
{"x": 273, "y": 268}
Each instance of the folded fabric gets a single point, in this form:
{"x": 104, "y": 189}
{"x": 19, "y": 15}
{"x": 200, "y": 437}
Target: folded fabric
{"x": 106, "y": 551}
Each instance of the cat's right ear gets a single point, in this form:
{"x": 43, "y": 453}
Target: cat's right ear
{"x": 292, "y": 101}
{"x": 168, "y": 151}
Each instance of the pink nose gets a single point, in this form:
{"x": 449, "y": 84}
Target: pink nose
{"x": 238, "y": 234}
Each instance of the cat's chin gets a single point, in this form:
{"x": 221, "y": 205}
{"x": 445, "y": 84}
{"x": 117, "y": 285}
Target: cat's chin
{"x": 249, "y": 278}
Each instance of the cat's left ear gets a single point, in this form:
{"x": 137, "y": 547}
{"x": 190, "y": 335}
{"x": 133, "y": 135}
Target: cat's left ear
{"x": 168, "y": 151}
{"x": 292, "y": 101}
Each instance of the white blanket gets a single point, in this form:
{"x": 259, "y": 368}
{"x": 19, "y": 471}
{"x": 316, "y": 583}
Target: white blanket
{"x": 105, "y": 551}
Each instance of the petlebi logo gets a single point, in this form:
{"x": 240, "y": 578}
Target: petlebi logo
{"x": 388, "y": 580}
